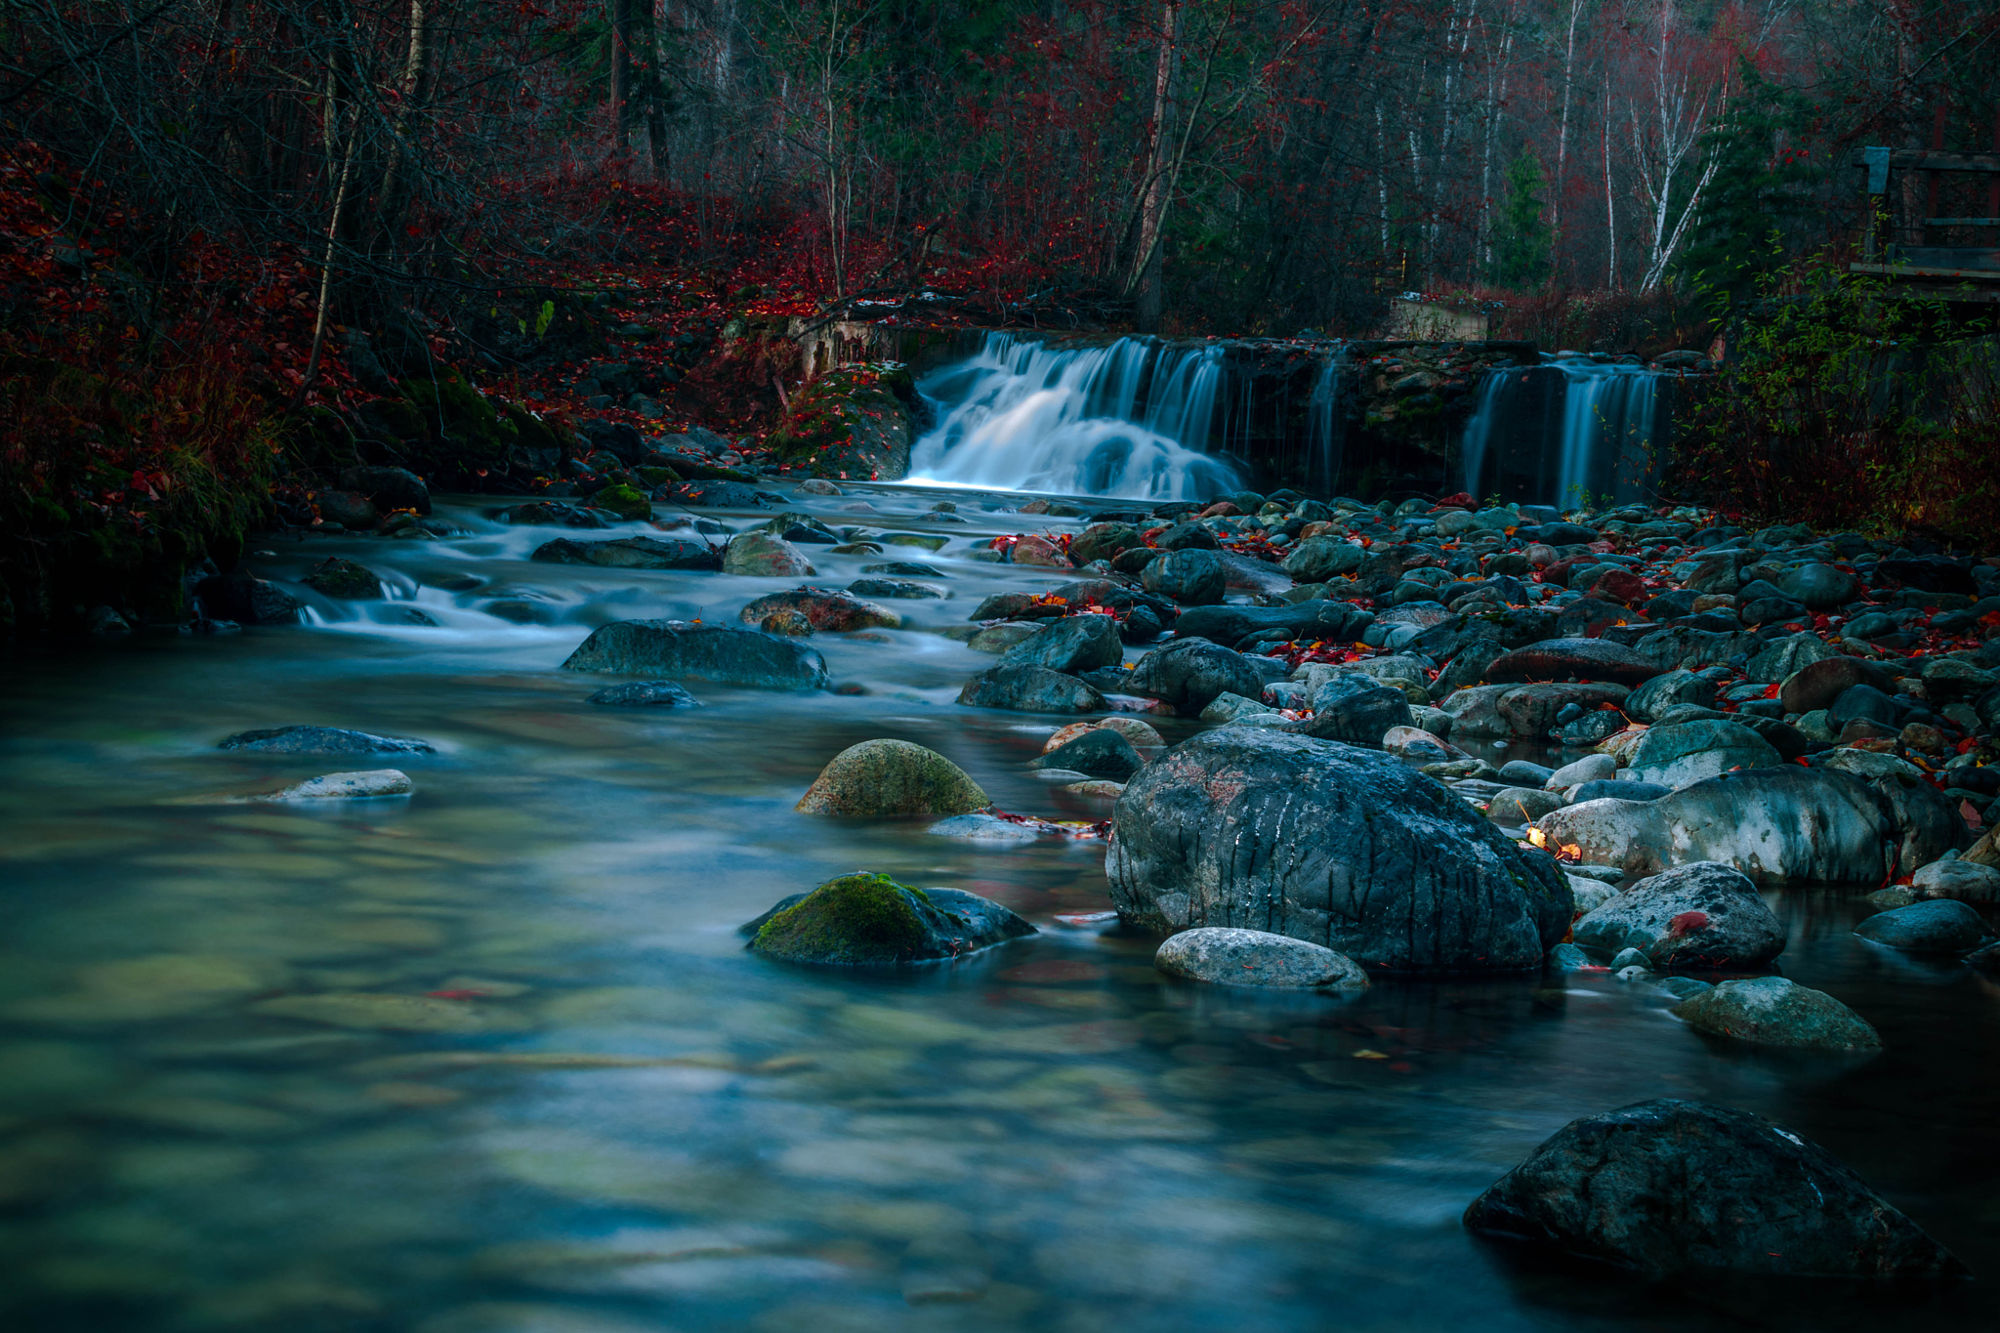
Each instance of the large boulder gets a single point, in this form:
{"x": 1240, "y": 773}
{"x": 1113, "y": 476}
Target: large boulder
{"x": 1967, "y": 881}
{"x": 1071, "y": 645}
{"x": 1771, "y": 1011}
{"x": 1318, "y": 559}
{"x": 1102, "y": 541}
{"x": 630, "y": 553}
{"x": 684, "y": 650}
{"x": 823, "y": 609}
{"x": 1573, "y": 659}
{"x": 1226, "y": 957}
{"x": 1820, "y": 587}
{"x": 891, "y": 777}
{"x": 1191, "y": 577}
{"x": 864, "y": 920}
{"x": 1356, "y": 708}
{"x": 1776, "y": 825}
{"x": 1030, "y": 689}
{"x": 1680, "y": 754}
{"x": 1942, "y": 925}
{"x": 761, "y": 554}
{"x": 1693, "y": 917}
{"x": 1190, "y": 673}
{"x": 1668, "y": 1188}
{"x": 1349, "y": 848}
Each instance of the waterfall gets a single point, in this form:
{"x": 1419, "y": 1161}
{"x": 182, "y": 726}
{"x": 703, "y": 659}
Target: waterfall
{"x": 1596, "y": 436}
{"x": 1326, "y": 424}
{"x": 1127, "y": 419}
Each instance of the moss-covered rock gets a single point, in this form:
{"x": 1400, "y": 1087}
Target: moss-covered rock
{"x": 344, "y": 578}
{"x": 870, "y": 920}
{"x": 891, "y": 777}
{"x": 624, "y": 501}
{"x": 856, "y": 421}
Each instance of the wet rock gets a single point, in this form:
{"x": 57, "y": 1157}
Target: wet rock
{"x": 1235, "y": 708}
{"x": 644, "y": 694}
{"x": 983, "y": 827}
{"x": 1189, "y": 673}
{"x": 891, "y": 777}
{"x": 1319, "y": 559}
{"x": 1862, "y": 703}
{"x": 552, "y": 514}
{"x": 1521, "y": 805}
{"x": 999, "y": 638}
{"x": 251, "y": 601}
{"x": 1683, "y": 753}
{"x": 1231, "y": 625}
{"x": 1820, "y": 587}
{"x": 322, "y": 740}
{"x": 1134, "y": 730}
{"x": 1098, "y": 753}
{"x": 1573, "y": 659}
{"x": 1940, "y": 926}
{"x": 389, "y": 487}
{"x": 1190, "y": 577}
{"x": 787, "y": 623}
{"x": 864, "y": 920}
{"x": 1669, "y": 1188}
{"x": 1673, "y": 689}
{"x": 1776, "y": 825}
{"x": 826, "y": 610}
{"x": 1590, "y": 768}
{"x": 1072, "y": 645}
{"x": 1966, "y": 881}
{"x": 904, "y": 569}
{"x": 356, "y": 786}
{"x": 1771, "y": 1011}
{"x": 344, "y": 578}
{"x": 726, "y": 495}
{"x": 630, "y": 553}
{"x": 682, "y": 650}
{"x": 1696, "y": 917}
{"x": 1419, "y": 746}
{"x": 764, "y": 556}
{"x": 1356, "y": 708}
{"x": 1621, "y": 789}
{"x": 1103, "y": 541}
{"x": 1030, "y": 689}
{"x": 899, "y": 589}
{"x": 1345, "y": 847}
{"x": 1522, "y": 712}
{"x": 1228, "y": 957}
{"x": 351, "y": 509}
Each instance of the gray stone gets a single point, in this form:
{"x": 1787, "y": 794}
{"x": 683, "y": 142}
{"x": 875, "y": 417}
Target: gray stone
{"x": 1820, "y": 587}
{"x": 629, "y": 553}
{"x": 1189, "y": 673}
{"x": 1667, "y": 1188}
{"x": 892, "y": 777}
{"x": 644, "y": 694}
{"x": 679, "y": 649}
{"x": 1656, "y": 696}
{"x": 1683, "y": 753}
{"x": 1030, "y": 689}
{"x": 1697, "y": 917}
{"x": 1771, "y": 1011}
{"x": 1590, "y": 768}
{"x": 1228, "y": 957}
{"x": 356, "y": 786}
{"x": 1072, "y": 645}
{"x": 763, "y": 555}
{"x": 1099, "y": 752}
{"x": 1191, "y": 577}
{"x": 1354, "y": 707}
{"x": 1939, "y": 926}
{"x": 1966, "y": 881}
{"x": 322, "y": 740}
{"x": 1318, "y": 559}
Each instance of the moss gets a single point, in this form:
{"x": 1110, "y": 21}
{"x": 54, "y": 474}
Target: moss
{"x": 858, "y": 918}
{"x": 623, "y": 501}
{"x": 659, "y": 475}
{"x": 344, "y": 578}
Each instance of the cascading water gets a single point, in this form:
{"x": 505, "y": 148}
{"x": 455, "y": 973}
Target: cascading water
{"x": 1597, "y": 437}
{"x": 1126, "y": 419}
{"x": 1326, "y": 425}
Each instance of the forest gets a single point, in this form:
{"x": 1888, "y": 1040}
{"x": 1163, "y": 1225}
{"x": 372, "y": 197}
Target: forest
{"x": 976, "y": 665}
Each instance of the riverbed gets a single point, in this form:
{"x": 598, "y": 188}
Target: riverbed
{"x": 614, "y": 1118}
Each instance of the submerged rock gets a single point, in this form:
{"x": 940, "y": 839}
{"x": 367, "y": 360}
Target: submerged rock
{"x": 348, "y": 786}
{"x": 644, "y": 694}
{"x": 864, "y": 920}
{"x": 1229, "y": 957}
{"x": 344, "y": 578}
{"x": 630, "y": 553}
{"x": 892, "y": 777}
{"x": 1699, "y": 916}
{"x": 1671, "y": 1187}
{"x": 1341, "y": 846}
{"x": 1771, "y": 1011}
{"x": 761, "y": 554}
{"x": 717, "y": 653}
{"x": 1099, "y": 753}
{"x": 322, "y": 740}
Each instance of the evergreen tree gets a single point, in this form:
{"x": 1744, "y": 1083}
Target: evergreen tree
{"x": 1523, "y": 246}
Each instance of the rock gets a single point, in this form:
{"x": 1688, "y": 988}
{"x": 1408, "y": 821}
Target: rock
{"x": 249, "y": 600}
{"x": 819, "y": 486}
{"x": 1318, "y": 559}
{"x": 1702, "y": 916}
{"x": 1186, "y": 536}
{"x": 903, "y": 569}
{"x": 1771, "y": 1011}
{"x": 1525, "y": 773}
{"x": 1985, "y": 961}
{"x": 1227, "y": 957}
{"x": 1670, "y": 1188}
{"x": 389, "y": 487}
{"x": 1776, "y": 825}
{"x": 644, "y": 694}
{"x": 1967, "y": 881}
{"x": 1190, "y": 673}
{"x": 824, "y": 609}
{"x": 1683, "y": 753}
{"x": 1419, "y": 746}
{"x": 1646, "y": 702}
{"x": 1103, "y": 541}
{"x": 1817, "y": 684}
{"x": 629, "y": 553}
{"x": 764, "y": 556}
{"x": 891, "y": 777}
{"x": 1190, "y": 577}
{"x": 1619, "y": 789}
{"x": 1521, "y": 805}
{"x": 1131, "y": 728}
{"x": 1357, "y": 709}
{"x": 1862, "y": 703}
{"x": 999, "y": 638}
{"x": 1098, "y": 753}
{"x": 1231, "y": 625}
{"x": 1030, "y": 689}
{"x": 1573, "y": 659}
{"x": 344, "y": 578}
{"x": 1341, "y": 846}
{"x": 871, "y": 920}
{"x": 1522, "y": 712}
{"x": 351, "y": 509}
{"x": 983, "y": 827}
{"x": 896, "y": 589}
{"x": 551, "y": 514}
{"x": 1590, "y": 768}
{"x": 1071, "y": 645}
{"x": 1939, "y": 926}
{"x": 1820, "y": 587}
{"x": 787, "y": 623}
{"x": 355, "y": 786}
{"x": 678, "y": 649}
{"x": 322, "y": 740}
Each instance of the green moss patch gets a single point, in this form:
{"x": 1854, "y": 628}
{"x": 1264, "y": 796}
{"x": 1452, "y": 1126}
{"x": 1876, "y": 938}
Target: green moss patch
{"x": 855, "y": 919}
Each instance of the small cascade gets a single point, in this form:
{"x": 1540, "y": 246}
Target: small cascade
{"x": 1326, "y": 423}
{"x": 1129, "y": 419}
{"x": 1567, "y": 432}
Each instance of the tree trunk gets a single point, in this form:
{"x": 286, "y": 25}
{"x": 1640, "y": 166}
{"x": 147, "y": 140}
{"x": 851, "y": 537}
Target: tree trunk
{"x": 621, "y": 75}
{"x": 1144, "y": 281}
{"x": 1562, "y": 127}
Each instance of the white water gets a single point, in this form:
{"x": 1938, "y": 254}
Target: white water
{"x": 1606, "y": 408}
{"x": 1479, "y": 430}
{"x": 1326, "y": 431}
{"x": 1127, "y": 419}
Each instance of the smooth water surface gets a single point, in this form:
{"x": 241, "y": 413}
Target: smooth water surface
{"x": 542, "y": 1087}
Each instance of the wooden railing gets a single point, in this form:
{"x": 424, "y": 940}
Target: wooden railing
{"x": 1897, "y": 240}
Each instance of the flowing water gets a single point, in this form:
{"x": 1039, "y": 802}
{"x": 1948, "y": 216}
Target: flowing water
{"x": 1600, "y": 439}
{"x": 1130, "y": 418}
{"x": 539, "y": 1086}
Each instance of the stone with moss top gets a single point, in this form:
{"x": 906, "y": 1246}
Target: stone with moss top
{"x": 870, "y": 920}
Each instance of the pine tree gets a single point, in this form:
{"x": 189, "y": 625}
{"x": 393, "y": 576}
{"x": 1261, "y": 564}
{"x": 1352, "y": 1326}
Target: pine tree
{"x": 1523, "y": 246}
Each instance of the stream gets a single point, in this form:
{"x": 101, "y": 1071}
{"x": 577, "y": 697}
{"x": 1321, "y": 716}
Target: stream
{"x": 608, "y": 1117}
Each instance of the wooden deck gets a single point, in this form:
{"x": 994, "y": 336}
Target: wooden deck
{"x": 1901, "y": 239}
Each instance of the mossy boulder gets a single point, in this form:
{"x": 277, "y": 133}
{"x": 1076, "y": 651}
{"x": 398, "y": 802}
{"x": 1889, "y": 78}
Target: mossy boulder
{"x": 891, "y": 777}
{"x": 855, "y": 421}
{"x": 863, "y": 920}
{"x": 344, "y": 578}
{"x": 624, "y": 501}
